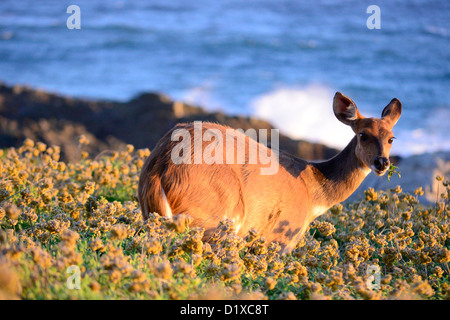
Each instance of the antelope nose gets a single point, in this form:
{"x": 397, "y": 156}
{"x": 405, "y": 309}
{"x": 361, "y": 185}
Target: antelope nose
{"x": 381, "y": 163}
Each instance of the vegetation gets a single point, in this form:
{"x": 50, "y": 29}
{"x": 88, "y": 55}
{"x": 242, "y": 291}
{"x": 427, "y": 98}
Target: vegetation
{"x": 84, "y": 214}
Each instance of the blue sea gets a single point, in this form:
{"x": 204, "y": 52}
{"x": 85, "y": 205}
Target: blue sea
{"x": 274, "y": 59}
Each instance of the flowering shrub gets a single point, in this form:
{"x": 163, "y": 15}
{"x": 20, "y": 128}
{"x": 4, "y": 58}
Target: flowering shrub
{"x": 55, "y": 214}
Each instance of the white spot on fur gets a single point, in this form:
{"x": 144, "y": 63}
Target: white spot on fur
{"x": 318, "y": 211}
{"x": 236, "y": 223}
{"x": 166, "y": 204}
{"x": 380, "y": 173}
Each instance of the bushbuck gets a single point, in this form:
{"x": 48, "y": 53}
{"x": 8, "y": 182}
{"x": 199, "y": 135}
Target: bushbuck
{"x": 280, "y": 206}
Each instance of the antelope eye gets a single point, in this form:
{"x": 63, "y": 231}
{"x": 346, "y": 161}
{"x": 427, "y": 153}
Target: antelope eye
{"x": 363, "y": 136}
{"x": 391, "y": 140}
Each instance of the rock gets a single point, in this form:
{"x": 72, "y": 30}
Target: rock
{"x": 142, "y": 121}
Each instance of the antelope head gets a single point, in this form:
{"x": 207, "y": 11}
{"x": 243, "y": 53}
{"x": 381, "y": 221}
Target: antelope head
{"x": 374, "y": 135}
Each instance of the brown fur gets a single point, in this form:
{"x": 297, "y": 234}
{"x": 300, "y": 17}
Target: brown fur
{"x": 280, "y": 206}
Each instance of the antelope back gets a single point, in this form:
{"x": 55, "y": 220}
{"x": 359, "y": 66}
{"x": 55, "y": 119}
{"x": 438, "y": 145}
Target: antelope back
{"x": 172, "y": 180}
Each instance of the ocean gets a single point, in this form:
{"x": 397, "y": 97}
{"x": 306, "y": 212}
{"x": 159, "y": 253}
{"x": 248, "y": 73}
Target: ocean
{"x": 273, "y": 59}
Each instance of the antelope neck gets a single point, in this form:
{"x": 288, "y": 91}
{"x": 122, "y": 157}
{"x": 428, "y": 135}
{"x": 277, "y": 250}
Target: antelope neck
{"x": 337, "y": 178}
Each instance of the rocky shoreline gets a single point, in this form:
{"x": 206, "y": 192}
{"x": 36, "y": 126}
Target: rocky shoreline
{"x": 110, "y": 125}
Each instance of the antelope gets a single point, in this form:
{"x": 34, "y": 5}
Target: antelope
{"x": 279, "y": 206}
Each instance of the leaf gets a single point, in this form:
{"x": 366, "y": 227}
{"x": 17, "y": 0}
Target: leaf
{"x": 392, "y": 170}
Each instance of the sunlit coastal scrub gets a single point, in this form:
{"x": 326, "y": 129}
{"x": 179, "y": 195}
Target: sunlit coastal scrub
{"x": 75, "y": 231}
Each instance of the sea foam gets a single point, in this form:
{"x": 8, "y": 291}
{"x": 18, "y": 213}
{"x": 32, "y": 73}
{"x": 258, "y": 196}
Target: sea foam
{"x": 303, "y": 113}
{"x": 306, "y": 113}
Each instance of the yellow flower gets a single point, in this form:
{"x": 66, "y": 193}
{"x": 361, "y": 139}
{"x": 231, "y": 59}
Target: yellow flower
{"x": 10, "y": 286}
{"x": 119, "y": 232}
{"x": 83, "y": 140}
{"x": 11, "y": 210}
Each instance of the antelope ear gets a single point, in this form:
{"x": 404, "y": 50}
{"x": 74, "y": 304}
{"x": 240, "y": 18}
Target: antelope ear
{"x": 345, "y": 109}
{"x": 392, "y": 112}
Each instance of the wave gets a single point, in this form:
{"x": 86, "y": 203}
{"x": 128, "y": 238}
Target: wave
{"x": 306, "y": 113}
{"x": 203, "y": 95}
{"x": 440, "y": 31}
{"x": 429, "y": 135}
{"x": 303, "y": 113}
